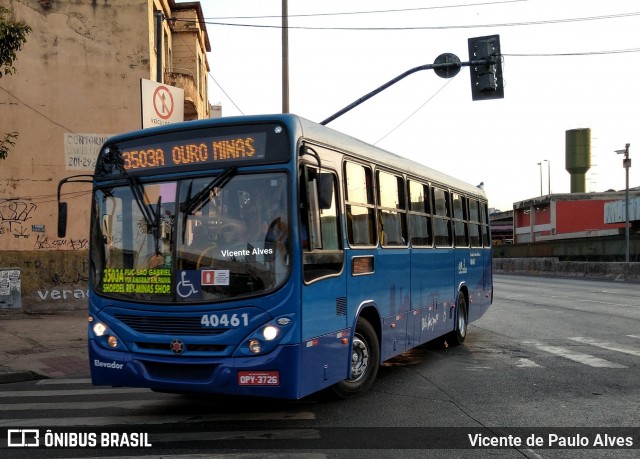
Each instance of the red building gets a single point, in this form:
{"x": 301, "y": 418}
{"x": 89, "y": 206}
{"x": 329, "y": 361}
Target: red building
{"x": 572, "y": 216}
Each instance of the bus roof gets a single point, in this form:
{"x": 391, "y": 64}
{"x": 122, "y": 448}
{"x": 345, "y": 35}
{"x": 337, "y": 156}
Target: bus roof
{"x": 363, "y": 150}
{"x": 302, "y": 128}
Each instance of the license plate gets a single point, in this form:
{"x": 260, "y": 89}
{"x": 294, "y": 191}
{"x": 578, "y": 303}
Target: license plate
{"x": 258, "y": 378}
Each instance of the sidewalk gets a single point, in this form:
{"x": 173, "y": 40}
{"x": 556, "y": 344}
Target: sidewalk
{"x": 39, "y": 346}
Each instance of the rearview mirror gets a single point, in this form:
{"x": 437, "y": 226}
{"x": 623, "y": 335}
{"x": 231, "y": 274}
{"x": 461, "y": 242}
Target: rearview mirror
{"x": 325, "y": 190}
{"x": 62, "y": 219}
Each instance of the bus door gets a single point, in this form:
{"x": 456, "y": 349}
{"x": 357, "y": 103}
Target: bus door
{"x": 324, "y": 302}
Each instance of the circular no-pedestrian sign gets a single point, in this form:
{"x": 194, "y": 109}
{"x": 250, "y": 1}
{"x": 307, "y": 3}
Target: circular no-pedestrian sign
{"x": 163, "y": 102}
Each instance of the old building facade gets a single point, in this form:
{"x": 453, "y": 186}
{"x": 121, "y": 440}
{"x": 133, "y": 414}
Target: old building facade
{"x": 78, "y": 81}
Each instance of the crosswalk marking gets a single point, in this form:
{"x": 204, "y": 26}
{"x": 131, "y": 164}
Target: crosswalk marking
{"x": 151, "y": 419}
{"x": 579, "y": 357}
{"x": 262, "y": 455}
{"x": 30, "y": 414}
{"x": 606, "y": 345}
{"x": 126, "y": 404}
{"x": 62, "y": 381}
{"x": 276, "y": 434}
{"x": 70, "y": 392}
{"x": 295, "y": 455}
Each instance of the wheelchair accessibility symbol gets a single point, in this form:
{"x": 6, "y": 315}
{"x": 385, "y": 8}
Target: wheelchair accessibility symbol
{"x": 185, "y": 287}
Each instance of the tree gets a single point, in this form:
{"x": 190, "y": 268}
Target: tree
{"x": 13, "y": 34}
{"x": 6, "y": 143}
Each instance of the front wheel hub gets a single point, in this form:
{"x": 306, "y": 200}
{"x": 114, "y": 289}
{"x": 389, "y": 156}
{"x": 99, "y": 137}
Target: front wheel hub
{"x": 359, "y": 359}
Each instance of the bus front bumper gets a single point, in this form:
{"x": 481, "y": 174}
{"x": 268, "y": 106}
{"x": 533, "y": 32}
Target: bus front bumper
{"x": 270, "y": 375}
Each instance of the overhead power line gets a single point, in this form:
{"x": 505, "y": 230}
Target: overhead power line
{"x": 414, "y": 112}
{"x": 585, "y": 53}
{"x": 37, "y": 111}
{"x": 443, "y": 27}
{"x": 350, "y": 13}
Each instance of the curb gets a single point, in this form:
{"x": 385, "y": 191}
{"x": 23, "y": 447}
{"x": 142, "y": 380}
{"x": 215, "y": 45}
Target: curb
{"x": 20, "y": 376}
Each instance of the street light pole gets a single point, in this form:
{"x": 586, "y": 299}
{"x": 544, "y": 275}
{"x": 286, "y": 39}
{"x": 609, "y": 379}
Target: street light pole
{"x": 540, "y": 164}
{"x": 626, "y": 163}
{"x": 548, "y": 174}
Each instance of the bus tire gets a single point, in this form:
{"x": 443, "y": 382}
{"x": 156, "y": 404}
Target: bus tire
{"x": 457, "y": 336}
{"x": 365, "y": 361}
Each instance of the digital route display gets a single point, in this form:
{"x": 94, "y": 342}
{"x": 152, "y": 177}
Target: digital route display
{"x": 237, "y": 148}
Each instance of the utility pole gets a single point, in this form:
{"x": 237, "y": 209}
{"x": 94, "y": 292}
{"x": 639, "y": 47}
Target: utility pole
{"x": 159, "y": 17}
{"x": 285, "y": 56}
{"x": 626, "y": 163}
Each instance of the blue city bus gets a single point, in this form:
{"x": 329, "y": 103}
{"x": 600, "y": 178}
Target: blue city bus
{"x": 272, "y": 256}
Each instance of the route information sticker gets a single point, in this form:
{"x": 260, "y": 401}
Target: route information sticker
{"x": 156, "y": 281}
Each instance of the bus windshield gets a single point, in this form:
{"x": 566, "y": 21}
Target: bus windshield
{"x": 202, "y": 239}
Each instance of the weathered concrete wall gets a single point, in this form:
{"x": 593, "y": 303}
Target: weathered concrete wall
{"x": 51, "y": 281}
{"x": 551, "y": 266}
{"x": 607, "y": 248}
{"x": 77, "y": 80}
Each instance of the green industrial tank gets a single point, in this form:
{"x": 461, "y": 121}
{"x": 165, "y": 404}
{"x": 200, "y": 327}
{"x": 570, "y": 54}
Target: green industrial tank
{"x": 578, "y": 157}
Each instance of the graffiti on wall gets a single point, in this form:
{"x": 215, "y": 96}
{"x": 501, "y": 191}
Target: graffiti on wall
{"x": 61, "y": 283}
{"x": 16, "y": 219}
{"x": 43, "y": 242}
{"x": 14, "y": 216}
{"x": 54, "y": 271}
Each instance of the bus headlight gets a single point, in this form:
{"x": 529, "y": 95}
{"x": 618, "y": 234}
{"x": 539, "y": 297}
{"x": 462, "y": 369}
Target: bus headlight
{"x": 99, "y": 329}
{"x": 255, "y": 346}
{"x": 270, "y": 332}
{"x": 104, "y": 336}
{"x": 267, "y": 337}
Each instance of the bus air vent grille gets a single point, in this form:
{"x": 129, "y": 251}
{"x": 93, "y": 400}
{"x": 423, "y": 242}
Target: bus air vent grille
{"x": 164, "y": 348}
{"x": 174, "y": 372}
{"x": 341, "y": 306}
{"x": 189, "y": 326}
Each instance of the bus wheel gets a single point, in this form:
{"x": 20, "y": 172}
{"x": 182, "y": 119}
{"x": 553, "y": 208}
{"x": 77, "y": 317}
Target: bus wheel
{"x": 365, "y": 361}
{"x": 457, "y": 336}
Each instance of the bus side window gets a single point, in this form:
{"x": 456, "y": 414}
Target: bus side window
{"x": 441, "y": 219}
{"x": 391, "y": 209}
{"x": 419, "y": 215}
{"x": 319, "y": 227}
{"x": 486, "y": 229}
{"x": 460, "y": 220}
{"x": 361, "y": 223}
{"x": 474, "y": 223}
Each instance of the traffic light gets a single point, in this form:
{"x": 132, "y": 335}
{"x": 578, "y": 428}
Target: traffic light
{"x": 486, "y": 76}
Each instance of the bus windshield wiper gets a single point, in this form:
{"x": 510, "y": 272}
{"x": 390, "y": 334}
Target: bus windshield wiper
{"x": 157, "y": 227}
{"x": 151, "y": 218}
{"x": 197, "y": 202}
{"x": 184, "y": 219}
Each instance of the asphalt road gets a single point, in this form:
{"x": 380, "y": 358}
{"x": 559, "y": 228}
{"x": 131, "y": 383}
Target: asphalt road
{"x": 551, "y": 357}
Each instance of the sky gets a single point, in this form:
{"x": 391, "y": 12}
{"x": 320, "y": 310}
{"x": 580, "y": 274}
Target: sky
{"x": 568, "y": 64}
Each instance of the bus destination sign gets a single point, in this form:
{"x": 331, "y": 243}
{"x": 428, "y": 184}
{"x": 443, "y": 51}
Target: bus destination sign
{"x": 211, "y": 150}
